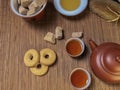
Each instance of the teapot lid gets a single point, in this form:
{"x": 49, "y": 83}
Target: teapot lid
{"x": 105, "y": 62}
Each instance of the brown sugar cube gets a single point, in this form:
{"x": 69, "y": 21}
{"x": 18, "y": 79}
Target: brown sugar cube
{"x": 23, "y": 10}
{"x": 77, "y": 34}
{"x": 40, "y": 2}
{"x": 31, "y": 11}
{"x": 49, "y": 37}
{"x": 59, "y": 32}
{"x": 25, "y": 3}
{"x": 33, "y": 5}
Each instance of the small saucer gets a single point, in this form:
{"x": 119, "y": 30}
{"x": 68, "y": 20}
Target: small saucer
{"x": 79, "y": 10}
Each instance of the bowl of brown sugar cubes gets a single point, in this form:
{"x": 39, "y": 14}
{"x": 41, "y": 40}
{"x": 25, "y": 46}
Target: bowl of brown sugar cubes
{"x": 32, "y": 10}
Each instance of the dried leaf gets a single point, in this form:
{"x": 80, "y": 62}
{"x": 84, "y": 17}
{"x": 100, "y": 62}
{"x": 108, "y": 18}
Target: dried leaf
{"x": 107, "y": 9}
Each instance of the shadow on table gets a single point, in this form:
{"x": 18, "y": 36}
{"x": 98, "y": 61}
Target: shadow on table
{"x": 92, "y": 84}
{"x": 105, "y": 83}
{"x": 114, "y": 84}
{"x": 51, "y": 16}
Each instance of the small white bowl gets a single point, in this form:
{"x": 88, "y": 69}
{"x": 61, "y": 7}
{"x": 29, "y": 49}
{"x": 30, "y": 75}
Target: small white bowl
{"x": 81, "y": 43}
{"x": 88, "y": 75}
{"x": 79, "y": 10}
{"x": 36, "y": 16}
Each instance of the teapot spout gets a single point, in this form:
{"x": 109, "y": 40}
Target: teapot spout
{"x": 92, "y": 44}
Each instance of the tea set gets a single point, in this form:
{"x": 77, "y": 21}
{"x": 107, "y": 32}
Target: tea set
{"x": 105, "y": 58}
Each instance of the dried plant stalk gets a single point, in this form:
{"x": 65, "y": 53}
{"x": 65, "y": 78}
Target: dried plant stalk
{"x": 107, "y": 9}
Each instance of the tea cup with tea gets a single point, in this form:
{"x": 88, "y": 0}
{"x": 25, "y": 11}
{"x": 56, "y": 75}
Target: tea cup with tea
{"x": 80, "y": 78}
{"x": 75, "y": 47}
{"x": 70, "y": 7}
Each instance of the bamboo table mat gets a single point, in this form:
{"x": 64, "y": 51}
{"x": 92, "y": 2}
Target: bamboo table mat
{"x": 17, "y": 36}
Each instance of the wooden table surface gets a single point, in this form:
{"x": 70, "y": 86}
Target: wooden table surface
{"x": 17, "y": 36}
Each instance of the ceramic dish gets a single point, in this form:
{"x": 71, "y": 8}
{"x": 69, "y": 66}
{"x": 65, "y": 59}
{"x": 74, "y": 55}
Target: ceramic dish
{"x": 88, "y": 82}
{"x": 81, "y": 44}
{"x": 75, "y": 12}
{"x": 36, "y": 16}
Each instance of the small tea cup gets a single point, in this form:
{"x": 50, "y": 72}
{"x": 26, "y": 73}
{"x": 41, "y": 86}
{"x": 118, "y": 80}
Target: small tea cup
{"x": 88, "y": 82}
{"x": 80, "y": 9}
{"x": 38, "y": 15}
{"x": 74, "y": 48}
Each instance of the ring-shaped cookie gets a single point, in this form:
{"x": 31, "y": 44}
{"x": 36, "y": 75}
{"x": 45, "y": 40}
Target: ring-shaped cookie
{"x": 47, "y": 56}
{"x": 39, "y": 69}
{"x": 31, "y": 58}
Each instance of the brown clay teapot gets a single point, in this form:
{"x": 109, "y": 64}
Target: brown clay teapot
{"x": 105, "y": 61}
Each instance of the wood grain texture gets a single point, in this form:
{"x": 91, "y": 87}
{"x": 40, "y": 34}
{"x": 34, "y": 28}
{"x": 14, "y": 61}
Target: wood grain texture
{"x": 17, "y": 36}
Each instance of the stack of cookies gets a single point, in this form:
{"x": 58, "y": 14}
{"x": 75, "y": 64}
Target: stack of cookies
{"x": 39, "y": 62}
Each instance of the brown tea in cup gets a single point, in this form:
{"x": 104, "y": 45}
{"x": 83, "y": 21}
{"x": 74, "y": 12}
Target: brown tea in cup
{"x": 75, "y": 47}
{"x": 80, "y": 78}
